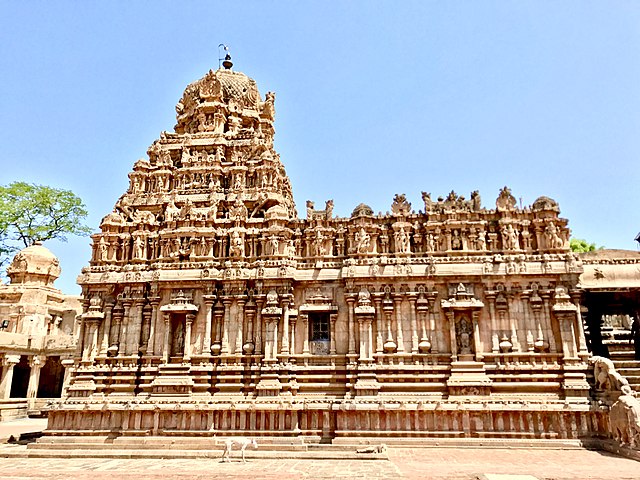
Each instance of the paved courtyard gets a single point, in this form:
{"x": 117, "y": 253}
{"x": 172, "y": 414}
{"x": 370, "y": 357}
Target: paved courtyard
{"x": 436, "y": 463}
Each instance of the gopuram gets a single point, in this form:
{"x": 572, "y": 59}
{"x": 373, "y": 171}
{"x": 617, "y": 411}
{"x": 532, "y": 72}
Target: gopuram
{"x": 211, "y": 308}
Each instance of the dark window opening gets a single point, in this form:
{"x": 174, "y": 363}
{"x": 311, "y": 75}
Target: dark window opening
{"x": 319, "y": 325}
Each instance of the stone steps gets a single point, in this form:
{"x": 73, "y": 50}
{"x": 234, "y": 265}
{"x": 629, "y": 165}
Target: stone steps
{"x": 344, "y": 448}
{"x": 623, "y": 357}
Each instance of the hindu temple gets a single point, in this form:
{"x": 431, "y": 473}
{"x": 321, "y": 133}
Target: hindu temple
{"x": 210, "y": 307}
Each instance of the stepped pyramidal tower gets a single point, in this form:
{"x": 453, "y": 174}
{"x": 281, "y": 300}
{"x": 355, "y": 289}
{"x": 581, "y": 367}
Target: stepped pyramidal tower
{"x": 210, "y": 308}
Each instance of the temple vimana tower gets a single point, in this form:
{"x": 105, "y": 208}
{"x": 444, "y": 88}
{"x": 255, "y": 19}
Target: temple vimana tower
{"x": 212, "y": 308}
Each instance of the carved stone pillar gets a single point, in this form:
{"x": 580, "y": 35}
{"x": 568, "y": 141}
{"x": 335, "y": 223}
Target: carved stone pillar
{"x": 333, "y": 317}
{"x": 218, "y": 316}
{"x": 8, "y": 362}
{"x": 546, "y": 315}
{"x": 123, "y": 347}
{"x": 68, "y": 364}
{"x": 224, "y": 344}
{"x": 491, "y": 298}
{"x": 165, "y": 343}
{"x": 115, "y": 330}
{"x": 437, "y": 340}
{"x": 397, "y": 310}
{"x": 305, "y": 340}
{"x": 239, "y": 325}
{"x": 147, "y": 312}
{"x": 258, "y": 327}
{"x": 284, "y": 350}
{"x": 190, "y": 317}
{"x": 362, "y": 347}
{"x": 35, "y": 362}
{"x": 108, "y": 308}
{"x": 452, "y": 335}
{"x": 136, "y": 327}
{"x": 576, "y": 296}
{"x": 249, "y": 345}
{"x": 414, "y": 323}
{"x": 513, "y": 324}
{"x": 422, "y": 309}
{"x": 475, "y": 316}
{"x": 271, "y": 340}
{"x": 528, "y": 325}
{"x": 377, "y": 300}
{"x": 292, "y": 335}
{"x": 352, "y": 333}
{"x": 79, "y": 330}
{"x": 540, "y": 343}
{"x": 390, "y": 345}
{"x": 151, "y": 344}
{"x": 91, "y": 347}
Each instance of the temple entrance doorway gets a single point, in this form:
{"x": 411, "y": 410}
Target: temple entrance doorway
{"x": 51, "y": 379}
{"x": 20, "y": 382}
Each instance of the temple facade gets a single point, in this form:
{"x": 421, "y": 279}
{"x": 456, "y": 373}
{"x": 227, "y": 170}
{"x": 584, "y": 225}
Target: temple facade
{"x": 211, "y": 308}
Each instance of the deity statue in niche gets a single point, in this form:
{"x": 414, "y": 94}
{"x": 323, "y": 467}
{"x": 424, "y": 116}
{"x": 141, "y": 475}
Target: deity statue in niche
{"x": 103, "y": 248}
{"x": 138, "y": 247}
{"x": 552, "y": 236}
{"x": 171, "y": 212}
{"x": 363, "y": 240}
{"x": 274, "y": 245}
{"x": 465, "y": 338}
{"x": 236, "y": 248}
{"x": 177, "y": 337}
{"x": 402, "y": 241}
{"x": 510, "y": 238}
{"x": 481, "y": 241}
{"x": 319, "y": 249}
{"x": 431, "y": 243}
{"x": 456, "y": 241}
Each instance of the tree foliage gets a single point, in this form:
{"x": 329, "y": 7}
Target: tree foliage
{"x": 31, "y": 213}
{"x": 579, "y": 245}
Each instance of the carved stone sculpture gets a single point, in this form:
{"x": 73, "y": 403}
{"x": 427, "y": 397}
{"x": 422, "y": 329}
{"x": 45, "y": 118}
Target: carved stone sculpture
{"x": 624, "y": 418}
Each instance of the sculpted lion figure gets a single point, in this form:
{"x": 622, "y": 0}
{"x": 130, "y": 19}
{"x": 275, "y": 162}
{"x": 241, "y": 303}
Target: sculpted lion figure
{"x": 624, "y": 418}
{"x": 606, "y": 376}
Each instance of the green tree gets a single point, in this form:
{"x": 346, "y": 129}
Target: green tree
{"x": 579, "y": 245}
{"x": 30, "y": 213}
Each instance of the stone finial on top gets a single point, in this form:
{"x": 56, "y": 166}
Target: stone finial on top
{"x": 476, "y": 201}
{"x": 545, "y": 203}
{"x": 505, "y": 201}
{"x": 362, "y": 210}
{"x": 428, "y": 203}
{"x": 400, "y": 206}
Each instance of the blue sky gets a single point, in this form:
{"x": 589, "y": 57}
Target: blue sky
{"x": 373, "y": 98}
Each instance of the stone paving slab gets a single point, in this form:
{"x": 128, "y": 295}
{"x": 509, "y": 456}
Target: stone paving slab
{"x": 412, "y": 464}
{"x": 23, "y": 426}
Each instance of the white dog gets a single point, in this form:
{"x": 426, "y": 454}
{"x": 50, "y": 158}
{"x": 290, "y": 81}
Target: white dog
{"x": 242, "y": 443}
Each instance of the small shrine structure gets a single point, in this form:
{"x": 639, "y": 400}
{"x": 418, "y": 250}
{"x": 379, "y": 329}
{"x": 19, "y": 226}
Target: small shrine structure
{"x": 37, "y": 343}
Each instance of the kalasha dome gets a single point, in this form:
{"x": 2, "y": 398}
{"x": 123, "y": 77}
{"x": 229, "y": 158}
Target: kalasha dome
{"x": 212, "y": 309}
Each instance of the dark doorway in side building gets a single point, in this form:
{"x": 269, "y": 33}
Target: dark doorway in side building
{"x": 51, "y": 378}
{"x": 20, "y": 382}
